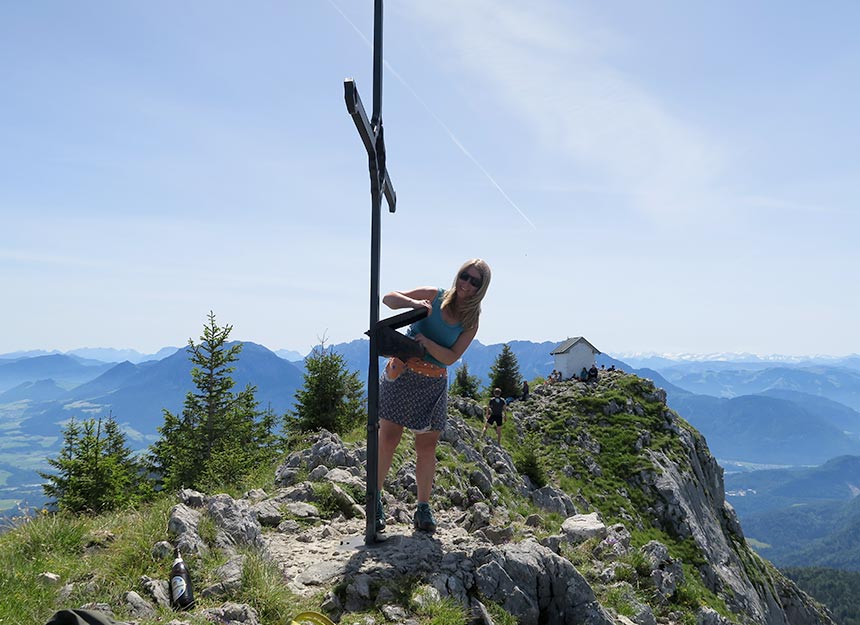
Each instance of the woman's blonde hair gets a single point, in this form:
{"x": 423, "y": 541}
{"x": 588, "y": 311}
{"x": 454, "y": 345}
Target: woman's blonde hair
{"x": 469, "y": 312}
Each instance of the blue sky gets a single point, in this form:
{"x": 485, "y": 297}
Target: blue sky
{"x": 658, "y": 177}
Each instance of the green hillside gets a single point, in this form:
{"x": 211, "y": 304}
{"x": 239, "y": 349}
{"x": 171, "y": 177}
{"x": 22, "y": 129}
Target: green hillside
{"x": 611, "y": 451}
{"x": 837, "y": 480}
{"x": 802, "y": 516}
{"x": 834, "y": 588}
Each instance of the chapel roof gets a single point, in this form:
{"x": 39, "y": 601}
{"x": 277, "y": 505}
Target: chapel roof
{"x": 569, "y": 343}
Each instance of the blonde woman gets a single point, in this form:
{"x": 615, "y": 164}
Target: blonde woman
{"x": 414, "y": 394}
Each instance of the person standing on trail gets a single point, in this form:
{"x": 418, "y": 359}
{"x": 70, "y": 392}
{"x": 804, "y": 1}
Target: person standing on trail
{"x": 414, "y": 394}
{"x": 494, "y": 413}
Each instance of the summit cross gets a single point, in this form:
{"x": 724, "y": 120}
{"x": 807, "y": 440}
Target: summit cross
{"x": 370, "y": 131}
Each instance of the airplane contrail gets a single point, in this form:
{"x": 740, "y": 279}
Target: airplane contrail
{"x": 444, "y": 126}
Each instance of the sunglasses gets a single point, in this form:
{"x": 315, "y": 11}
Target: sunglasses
{"x": 475, "y": 282}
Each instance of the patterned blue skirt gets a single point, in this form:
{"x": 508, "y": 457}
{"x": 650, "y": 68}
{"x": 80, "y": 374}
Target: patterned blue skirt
{"x": 415, "y": 401}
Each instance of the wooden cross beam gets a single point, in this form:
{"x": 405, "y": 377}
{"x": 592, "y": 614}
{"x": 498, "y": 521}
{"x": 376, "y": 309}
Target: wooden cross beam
{"x": 372, "y": 136}
{"x": 374, "y": 142}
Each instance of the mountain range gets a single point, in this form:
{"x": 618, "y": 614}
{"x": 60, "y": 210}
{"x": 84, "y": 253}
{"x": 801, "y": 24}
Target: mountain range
{"x": 800, "y": 419}
{"x": 753, "y": 416}
{"x": 729, "y": 360}
{"x": 135, "y": 394}
{"x": 839, "y": 384}
{"x": 44, "y": 391}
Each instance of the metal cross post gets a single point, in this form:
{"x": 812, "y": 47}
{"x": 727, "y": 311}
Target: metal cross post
{"x": 372, "y": 136}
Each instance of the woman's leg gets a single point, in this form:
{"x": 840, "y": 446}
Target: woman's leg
{"x": 389, "y": 438}
{"x": 425, "y": 464}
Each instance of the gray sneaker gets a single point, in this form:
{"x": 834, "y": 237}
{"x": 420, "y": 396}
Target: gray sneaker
{"x": 380, "y": 513}
{"x": 423, "y": 518}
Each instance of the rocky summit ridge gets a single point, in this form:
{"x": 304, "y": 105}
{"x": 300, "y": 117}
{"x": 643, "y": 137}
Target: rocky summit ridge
{"x": 604, "y": 506}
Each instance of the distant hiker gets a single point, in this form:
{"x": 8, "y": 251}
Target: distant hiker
{"x": 583, "y": 375}
{"x": 525, "y": 390}
{"x": 592, "y": 373}
{"x": 417, "y": 398}
{"x": 494, "y": 413}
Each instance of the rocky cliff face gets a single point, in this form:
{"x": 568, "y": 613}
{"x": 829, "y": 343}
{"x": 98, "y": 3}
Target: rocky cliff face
{"x": 601, "y": 506}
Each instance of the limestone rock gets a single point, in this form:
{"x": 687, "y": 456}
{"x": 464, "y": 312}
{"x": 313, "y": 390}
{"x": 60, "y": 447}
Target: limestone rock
{"x": 536, "y": 585}
{"x": 161, "y": 550}
{"x": 343, "y": 477}
{"x": 138, "y": 606}
{"x": 192, "y": 498}
{"x": 479, "y": 516}
{"x": 157, "y": 589}
{"x": 183, "y": 523}
{"x": 229, "y": 576}
{"x": 552, "y": 499}
{"x": 49, "y": 578}
{"x": 267, "y": 513}
{"x": 302, "y": 510}
{"x": 98, "y": 607}
{"x": 666, "y": 573}
{"x": 498, "y": 535}
{"x": 615, "y": 544}
{"x": 581, "y": 527}
{"x": 255, "y": 495}
{"x": 236, "y": 523}
{"x": 232, "y": 614}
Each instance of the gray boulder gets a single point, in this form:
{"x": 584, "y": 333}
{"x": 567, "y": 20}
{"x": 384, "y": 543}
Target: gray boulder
{"x": 552, "y": 499}
{"x": 268, "y": 513}
{"x": 615, "y": 544}
{"x": 255, "y": 495}
{"x": 182, "y": 519}
{"x": 327, "y": 450}
{"x": 138, "y": 606}
{"x": 192, "y": 498}
{"x": 345, "y": 478}
{"x": 479, "y": 517}
{"x": 161, "y": 550}
{"x": 182, "y": 523}
{"x": 302, "y": 510}
{"x": 157, "y": 589}
{"x": 229, "y": 576}
{"x": 235, "y": 521}
{"x": 232, "y": 614}
{"x": 709, "y": 616}
{"x": 537, "y": 586}
{"x": 666, "y": 573}
{"x": 581, "y": 527}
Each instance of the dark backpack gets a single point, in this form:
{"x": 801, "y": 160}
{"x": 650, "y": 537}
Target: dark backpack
{"x": 82, "y": 617}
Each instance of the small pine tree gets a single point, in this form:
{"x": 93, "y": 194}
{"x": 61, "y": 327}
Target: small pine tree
{"x": 505, "y": 373}
{"x": 331, "y": 397}
{"x": 527, "y": 460}
{"x": 96, "y": 471}
{"x": 465, "y": 385}
{"x": 221, "y": 436}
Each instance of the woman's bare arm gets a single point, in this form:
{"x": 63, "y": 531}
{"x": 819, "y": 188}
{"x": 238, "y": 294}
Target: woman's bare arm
{"x": 448, "y": 355}
{"x": 416, "y": 298}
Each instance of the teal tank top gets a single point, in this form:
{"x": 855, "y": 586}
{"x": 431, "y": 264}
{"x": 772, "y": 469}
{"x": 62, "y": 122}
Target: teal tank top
{"x": 436, "y": 329}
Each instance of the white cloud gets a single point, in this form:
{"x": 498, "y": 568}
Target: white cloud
{"x": 550, "y": 69}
